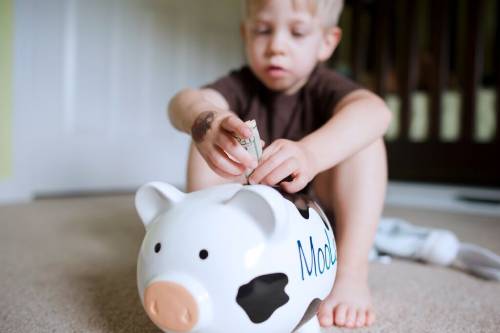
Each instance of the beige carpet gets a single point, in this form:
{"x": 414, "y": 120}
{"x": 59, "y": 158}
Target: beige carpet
{"x": 68, "y": 265}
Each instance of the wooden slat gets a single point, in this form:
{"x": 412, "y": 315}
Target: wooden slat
{"x": 440, "y": 51}
{"x": 497, "y": 72}
{"x": 473, "y": 50}
{"x": 408, "y": 64}
{"x": 454, "y": 18}
{"x": 445, "y": 162}
{"x": 382, "y": 21}
{"x": 356, "y": 31}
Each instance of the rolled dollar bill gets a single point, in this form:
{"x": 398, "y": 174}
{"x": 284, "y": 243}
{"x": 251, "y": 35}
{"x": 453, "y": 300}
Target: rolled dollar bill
{"x": 252, "y": 144}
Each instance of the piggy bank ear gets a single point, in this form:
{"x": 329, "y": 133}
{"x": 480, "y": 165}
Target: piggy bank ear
{"x": 155, "y": 198}
{"x": 265, "y": 205}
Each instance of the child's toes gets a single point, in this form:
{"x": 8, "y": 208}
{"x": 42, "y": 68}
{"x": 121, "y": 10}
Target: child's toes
{"x": 351, "y": 318}
{"x": 325, "y": 315}
{"x": 340, "y": 314}
{"x": 326, "y": 321}
{"x": 361, "y": 318}
{"x": 370, "y": 317}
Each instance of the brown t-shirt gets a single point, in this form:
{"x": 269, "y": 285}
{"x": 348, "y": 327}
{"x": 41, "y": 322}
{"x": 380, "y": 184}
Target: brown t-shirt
{"x": 284, "y": 116}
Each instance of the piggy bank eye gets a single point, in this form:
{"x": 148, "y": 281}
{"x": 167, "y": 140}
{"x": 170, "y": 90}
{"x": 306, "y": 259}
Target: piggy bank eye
{"x": 203, "y": 254}
{"x": 157, "y": 247}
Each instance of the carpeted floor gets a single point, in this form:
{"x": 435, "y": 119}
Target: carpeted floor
{"x": 68, "y": 265}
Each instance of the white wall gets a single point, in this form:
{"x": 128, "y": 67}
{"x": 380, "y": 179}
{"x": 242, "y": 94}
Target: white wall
{"x": 92, "y": 79}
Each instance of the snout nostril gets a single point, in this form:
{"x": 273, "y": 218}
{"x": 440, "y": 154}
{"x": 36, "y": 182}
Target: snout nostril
{"x": 186, "y": 317}
{"x": 154, "y": 308}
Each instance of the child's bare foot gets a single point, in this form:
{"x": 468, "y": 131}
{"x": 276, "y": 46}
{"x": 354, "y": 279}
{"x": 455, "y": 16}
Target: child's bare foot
{"x": 348, "y": 304}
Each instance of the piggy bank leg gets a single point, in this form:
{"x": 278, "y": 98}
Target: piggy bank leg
{"x": 312, "y": 326}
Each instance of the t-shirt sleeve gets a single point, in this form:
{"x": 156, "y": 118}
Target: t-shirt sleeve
{"x": 234, "y": 88}
{"x": 329, "y": 88}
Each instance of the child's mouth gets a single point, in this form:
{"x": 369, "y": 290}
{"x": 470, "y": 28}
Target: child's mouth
{"x": 275, "y": 71}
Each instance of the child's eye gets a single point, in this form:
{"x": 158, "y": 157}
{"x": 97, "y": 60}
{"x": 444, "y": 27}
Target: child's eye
{"x": 299, "y": 33}
{"x": 261, "y": 31}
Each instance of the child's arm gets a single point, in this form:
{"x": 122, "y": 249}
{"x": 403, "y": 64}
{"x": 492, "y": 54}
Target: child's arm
{"x": 205, "y": 115}
{"x": 358, "y": 120}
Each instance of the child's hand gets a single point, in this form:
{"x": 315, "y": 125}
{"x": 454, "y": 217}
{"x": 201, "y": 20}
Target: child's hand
{"x": 213, "y": 133}
{"x": 281, "y": 159}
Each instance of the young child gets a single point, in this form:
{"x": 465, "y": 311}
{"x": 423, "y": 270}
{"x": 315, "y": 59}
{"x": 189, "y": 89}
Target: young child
{"x": 321, "y": 128}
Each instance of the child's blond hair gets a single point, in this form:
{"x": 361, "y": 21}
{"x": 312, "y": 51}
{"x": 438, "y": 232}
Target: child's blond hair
{"x": 329, "y": 10}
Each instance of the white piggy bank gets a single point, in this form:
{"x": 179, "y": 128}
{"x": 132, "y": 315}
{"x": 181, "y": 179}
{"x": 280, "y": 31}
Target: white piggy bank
{"x": 233, "y": 258}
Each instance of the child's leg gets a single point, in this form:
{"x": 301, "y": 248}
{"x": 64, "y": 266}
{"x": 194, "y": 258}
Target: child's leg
{"x": 355, "y": 191}
{"x": 199, "y": 174}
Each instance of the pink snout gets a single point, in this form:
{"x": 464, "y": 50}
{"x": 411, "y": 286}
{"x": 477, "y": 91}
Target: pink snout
{"x": 171, "y": 306}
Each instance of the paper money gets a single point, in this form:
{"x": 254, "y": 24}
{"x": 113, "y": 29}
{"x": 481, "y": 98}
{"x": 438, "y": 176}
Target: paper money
{"x": 252, "y": 144}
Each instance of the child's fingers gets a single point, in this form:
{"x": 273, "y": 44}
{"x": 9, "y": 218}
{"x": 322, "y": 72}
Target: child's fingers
{"x": 235, "y": 150}
{"x": 219, "y": 160}
{"x": 235, "y": 125}
{"x": 288, "y": 179}
{"x": 216, "y": 169}
{"x": 281, "y": 172}
{"x": 262, "y": 143}
{"x": 220, "y": 172}
{"x": 266, "y": 167}
{"x": 295, "y": 185}
{"x": 270, "y": 150}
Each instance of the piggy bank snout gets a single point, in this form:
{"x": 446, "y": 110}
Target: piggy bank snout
{"x": 171, "y": 306}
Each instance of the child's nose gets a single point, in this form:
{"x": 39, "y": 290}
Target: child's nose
{"x": 277, "y": 44}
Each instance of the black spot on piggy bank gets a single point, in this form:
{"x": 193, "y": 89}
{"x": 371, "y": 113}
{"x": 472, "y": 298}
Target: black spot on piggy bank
{"x": 233, "y": 258}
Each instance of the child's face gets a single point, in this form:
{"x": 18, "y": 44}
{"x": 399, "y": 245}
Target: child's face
{"x": 284, "y": 41}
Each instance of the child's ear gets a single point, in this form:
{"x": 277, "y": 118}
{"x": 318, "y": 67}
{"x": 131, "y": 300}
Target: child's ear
{"x": 243, "y": 31}
{"x": 331, "y": 38}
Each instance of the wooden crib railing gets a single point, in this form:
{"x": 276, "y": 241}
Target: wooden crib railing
{"x": 402, "y": 46}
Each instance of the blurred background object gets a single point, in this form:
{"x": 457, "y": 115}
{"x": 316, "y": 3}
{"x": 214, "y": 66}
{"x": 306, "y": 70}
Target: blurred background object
{"x": 89, "y": 82}
{"x": 5, "y": 87}
{"x": 437, "y": 65}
